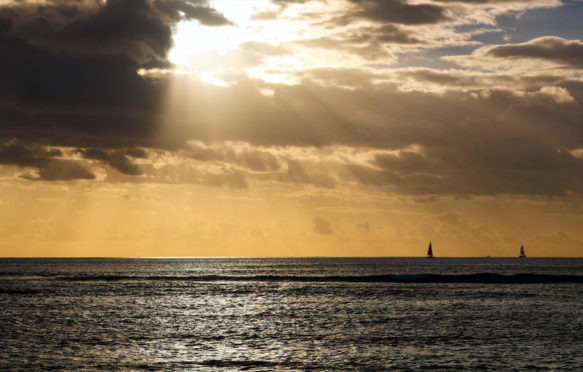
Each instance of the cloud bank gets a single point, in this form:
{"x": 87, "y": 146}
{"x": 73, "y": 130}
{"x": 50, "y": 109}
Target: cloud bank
{"x": 88, "y": 93}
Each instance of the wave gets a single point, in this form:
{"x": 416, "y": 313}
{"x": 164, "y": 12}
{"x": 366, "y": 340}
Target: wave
{"x": 24, "y": 292}
{"x": 483, "y": 278}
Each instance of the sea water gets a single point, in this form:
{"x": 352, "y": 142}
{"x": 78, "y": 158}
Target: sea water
{"x": 291, "y": 314}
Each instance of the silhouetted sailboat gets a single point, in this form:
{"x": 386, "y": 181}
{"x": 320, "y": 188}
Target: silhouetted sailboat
{"x": 522, "y": 255}
{"x": 430, "y": 251}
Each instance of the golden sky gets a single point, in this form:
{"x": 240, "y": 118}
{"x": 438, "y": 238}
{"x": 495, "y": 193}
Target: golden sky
{"x": 291, "y": 127}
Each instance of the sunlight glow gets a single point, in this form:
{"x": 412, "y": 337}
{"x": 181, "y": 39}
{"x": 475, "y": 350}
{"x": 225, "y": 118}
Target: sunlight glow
{"x": 192, "y": 39}
{"x": 262, "y": 38}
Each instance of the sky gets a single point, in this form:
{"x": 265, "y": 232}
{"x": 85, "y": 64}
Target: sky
{"x": 291, "y": 127}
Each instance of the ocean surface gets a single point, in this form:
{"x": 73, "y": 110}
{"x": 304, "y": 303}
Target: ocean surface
{"x": 264, "y": 314}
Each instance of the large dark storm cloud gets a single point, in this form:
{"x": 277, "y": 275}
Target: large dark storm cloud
{"x": 138, "y": 29}
{"x": 68, "y": 69}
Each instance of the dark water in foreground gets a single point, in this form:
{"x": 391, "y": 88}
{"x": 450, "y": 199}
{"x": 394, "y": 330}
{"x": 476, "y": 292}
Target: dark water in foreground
{"x": 291, "y": 314}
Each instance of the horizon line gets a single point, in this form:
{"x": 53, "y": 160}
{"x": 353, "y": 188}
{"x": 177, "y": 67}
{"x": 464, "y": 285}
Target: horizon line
{"x": 243, "y": 257}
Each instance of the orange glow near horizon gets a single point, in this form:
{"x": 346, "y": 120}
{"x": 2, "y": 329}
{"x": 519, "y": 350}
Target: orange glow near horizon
{"x": 179, "y": 221}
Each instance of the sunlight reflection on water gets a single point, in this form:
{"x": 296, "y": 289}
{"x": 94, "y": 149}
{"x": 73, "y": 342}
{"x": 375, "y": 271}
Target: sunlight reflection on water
{"x": 48, "y": 322}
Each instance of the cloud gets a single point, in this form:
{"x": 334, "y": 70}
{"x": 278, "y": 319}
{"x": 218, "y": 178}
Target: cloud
{"x": 14, "y": 152}
{"x": 321, "y": 226}
{"x": 116, "y": 159}
{"x": 369, "y": 49}
{"x": 393, "y": 34}
{"x": 518, "y": 166}
{"x": 137, "y": 153}
{"x": 45, "y": 161}
{"x": 363, "y": 227}
{"x": 192, "y": 9}
{"x": 69, "y": 75}
{"x": 121, "y": 162}
{"x": 238, "y": 154}
{"x": 560, "y": 94}
{"x": 356, "y": 122}
{"x": 417, "y": 143}
{"x": 425, "y": 79}
{"x": 397, "y": 11}
{"x": 480, "y": 2}
{"x": 369, "y": 43}
{"x": 568, "y": 53}
{"x": 456, "y": 142}
{"x": 64, "y": 170}
{"x": 138, "y": 29}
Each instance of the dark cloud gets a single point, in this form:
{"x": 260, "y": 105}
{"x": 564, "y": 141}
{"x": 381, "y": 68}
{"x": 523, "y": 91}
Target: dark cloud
{"x": 387, "y": 12}
{"x": 192, "y": 9}
{"x": 64, "y": 170}
{"x": 392, "y": 34}
{"x": 479, "y": 2}
{"x": 138, "y": 29}
{"x": 69, "y": 100}
{"x": 518, "y": 165}
{"x": 95, "y": 154}
{"x": 116, "y": 159}
{"x": 551, "y": 48}
{"x": 68, "y": 72}
{"x": 16, "y": 153}
{"x": 122, "y": 163}
{"x": 137, "y": 153}
{"x": 398, "y": 11}
{"x": 48, "y": 167}
{"x": 321, "y": 226}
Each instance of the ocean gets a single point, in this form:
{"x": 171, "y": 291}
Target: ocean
{"x": 291, "y": 314}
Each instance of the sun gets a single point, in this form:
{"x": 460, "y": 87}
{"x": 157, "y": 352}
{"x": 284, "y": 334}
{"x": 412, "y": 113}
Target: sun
{"x": 263, "y": 41}
{"x": 192, "y": 39}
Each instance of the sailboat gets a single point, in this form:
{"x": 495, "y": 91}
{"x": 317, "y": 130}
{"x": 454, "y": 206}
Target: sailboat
{"x": 429, "y": 251}
{"x": 522, "y": 255}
